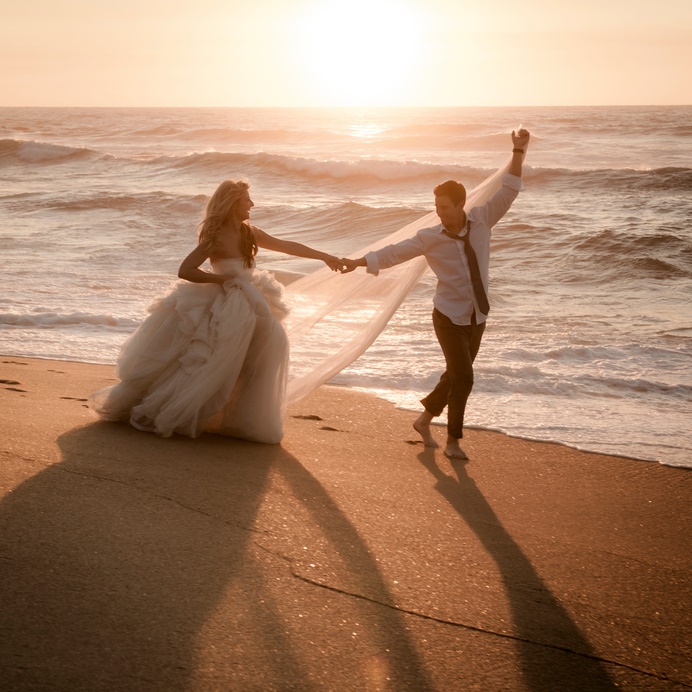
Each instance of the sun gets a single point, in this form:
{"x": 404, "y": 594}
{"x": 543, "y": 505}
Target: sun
{"x": 360, "y": 53}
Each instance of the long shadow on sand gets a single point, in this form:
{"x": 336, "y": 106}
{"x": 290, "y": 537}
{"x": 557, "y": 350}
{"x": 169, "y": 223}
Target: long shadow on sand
{"x": 114, "y": 559}
{"x": 542, "y": 628}
{"x": 113, "y": 564}
{"x": 397, "y": 662}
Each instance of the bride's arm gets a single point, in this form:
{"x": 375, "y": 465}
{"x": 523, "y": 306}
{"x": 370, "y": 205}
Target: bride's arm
{"x": 290, "y": 247}
{"x": 190, "y": 271}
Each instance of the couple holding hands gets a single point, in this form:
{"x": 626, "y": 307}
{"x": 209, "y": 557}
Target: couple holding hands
{"x": 213, "y": 355}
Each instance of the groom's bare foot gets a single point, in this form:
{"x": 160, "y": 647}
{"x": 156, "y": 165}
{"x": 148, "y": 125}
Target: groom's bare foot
{"x": 454, "y": 451}
{"x": 422, "y": 426}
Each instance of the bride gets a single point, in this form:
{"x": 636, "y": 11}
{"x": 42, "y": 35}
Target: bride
{"x": 213, "y": 354}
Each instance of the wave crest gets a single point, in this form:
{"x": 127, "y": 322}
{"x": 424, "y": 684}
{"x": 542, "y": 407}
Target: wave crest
{"x": 32, "y": 151}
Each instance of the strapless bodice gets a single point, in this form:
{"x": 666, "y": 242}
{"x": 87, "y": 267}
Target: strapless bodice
{"x": 231, "y": 265}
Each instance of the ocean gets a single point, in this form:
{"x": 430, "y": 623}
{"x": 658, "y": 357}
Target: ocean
{"x": 589, "y": 341}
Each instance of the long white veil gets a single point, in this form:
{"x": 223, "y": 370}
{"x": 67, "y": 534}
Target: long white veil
{"x": 335, "y": 317}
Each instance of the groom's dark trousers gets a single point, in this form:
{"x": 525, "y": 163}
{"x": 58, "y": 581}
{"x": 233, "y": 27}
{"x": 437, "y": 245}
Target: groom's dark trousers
{"x": 460, "y": 346}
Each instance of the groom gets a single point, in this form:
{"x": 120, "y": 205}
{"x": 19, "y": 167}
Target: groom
{"x": 458, "y": 252}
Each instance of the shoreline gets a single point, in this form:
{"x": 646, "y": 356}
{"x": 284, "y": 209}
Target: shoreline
{"x": 436, "y": 424}
{"x": 349, "y": 554}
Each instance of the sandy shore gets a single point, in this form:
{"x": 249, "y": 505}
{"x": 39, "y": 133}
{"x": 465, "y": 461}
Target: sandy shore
{"x": 347, "y": 558}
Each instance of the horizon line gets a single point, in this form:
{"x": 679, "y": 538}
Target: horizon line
{"x": 353, "y": 107}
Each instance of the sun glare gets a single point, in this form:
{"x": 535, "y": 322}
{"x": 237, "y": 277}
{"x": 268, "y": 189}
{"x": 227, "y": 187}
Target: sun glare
{"x": 360, "y": 53}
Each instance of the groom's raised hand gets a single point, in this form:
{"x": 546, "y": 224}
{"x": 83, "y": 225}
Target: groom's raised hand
{"x": 521, "y": 138}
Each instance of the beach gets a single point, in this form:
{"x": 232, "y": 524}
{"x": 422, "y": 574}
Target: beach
{"x": 349, "y": 557}
{"x": 589, "y": 338}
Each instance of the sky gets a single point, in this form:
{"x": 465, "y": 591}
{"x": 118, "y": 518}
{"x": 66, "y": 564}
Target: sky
{"x": 286, "y": 53}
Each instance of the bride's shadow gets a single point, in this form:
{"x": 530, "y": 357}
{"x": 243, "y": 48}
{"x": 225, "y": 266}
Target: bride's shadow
{"x": 120, "y": 553}
{"x": 542, "y": 628}
{"x": 116, "y": 559}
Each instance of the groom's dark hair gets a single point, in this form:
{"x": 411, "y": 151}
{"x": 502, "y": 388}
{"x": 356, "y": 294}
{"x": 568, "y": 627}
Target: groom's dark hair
{"x": 452, "y": 189}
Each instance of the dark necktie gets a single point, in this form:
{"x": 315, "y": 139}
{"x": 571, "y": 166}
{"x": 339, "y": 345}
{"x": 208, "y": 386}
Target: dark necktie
{"x": 476, "y": 280}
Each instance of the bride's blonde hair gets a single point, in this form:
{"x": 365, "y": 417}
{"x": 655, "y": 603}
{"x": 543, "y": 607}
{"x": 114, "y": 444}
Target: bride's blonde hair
{"x": 219, "y": 208}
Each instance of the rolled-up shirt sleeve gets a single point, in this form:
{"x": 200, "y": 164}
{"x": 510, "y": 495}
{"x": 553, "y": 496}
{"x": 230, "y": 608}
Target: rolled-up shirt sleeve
{"x": 513, "y": 182}
{"x": 373, "y": 263}
{"x": 394, "y": 254}
{"x": 496, "y": 207}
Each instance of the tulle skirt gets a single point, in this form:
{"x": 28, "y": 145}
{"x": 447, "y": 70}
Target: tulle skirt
{"x": 207, "y": 358}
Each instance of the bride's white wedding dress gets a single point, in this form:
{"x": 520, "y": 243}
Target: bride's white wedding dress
{"x": 207, "y": 358}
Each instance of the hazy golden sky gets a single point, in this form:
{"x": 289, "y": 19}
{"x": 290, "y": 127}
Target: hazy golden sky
{"x": 354, "y": 52}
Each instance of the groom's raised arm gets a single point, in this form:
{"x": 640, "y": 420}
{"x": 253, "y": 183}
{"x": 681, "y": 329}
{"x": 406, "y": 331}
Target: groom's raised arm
{"x": 520, "y": 140}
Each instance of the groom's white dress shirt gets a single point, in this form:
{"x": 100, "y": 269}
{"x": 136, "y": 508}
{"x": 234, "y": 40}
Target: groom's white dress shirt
{"x": 454, "y": 296}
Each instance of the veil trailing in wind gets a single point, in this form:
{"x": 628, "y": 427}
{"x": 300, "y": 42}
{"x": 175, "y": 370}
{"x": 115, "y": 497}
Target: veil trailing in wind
{"x": 335, "y": 317}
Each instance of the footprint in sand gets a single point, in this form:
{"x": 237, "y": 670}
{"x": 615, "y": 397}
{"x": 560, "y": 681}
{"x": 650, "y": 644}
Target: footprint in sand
{"x": 12, "y": 389}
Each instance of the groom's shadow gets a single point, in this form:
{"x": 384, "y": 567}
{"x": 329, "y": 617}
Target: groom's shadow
{"x": 553, "y": 652}
{"x": 116, "y": 561}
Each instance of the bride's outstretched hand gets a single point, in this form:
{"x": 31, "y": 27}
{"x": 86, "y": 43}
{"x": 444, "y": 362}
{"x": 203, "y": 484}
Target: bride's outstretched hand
{"x": 334, "y": 263}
